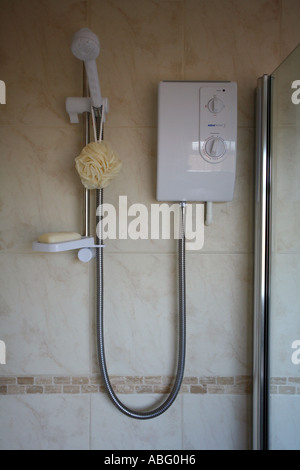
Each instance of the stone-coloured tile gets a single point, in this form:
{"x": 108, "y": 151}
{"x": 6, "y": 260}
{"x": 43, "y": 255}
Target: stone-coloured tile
{"x": 43, "y": 316}
{"x": 37, "y": 64}
{"x": 147, "y": 47}
{"x": 216, "y": 422}
{"x": 220, "y": 35}
{"x": 40, "y": 189}
{"x": 52, "y": 422}
{"x": 112, "y": 430}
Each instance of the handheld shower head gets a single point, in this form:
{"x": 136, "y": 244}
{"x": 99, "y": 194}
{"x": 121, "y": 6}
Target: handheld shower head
{"x": 86, "y": 46}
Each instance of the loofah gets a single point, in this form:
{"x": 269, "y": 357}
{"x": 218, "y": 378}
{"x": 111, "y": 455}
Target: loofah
{"x": 97, "y": 165}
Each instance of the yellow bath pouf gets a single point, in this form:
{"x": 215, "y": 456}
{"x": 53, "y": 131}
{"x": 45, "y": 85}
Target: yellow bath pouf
{"x": 97, "y": 165}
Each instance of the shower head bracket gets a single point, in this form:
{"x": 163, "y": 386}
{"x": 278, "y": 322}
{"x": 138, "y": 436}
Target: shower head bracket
{"x": 75, "y": 106}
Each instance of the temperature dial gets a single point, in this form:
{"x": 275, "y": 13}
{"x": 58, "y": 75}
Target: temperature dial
{"x": 215, "y": 148}
{"x": 215, "y": 105}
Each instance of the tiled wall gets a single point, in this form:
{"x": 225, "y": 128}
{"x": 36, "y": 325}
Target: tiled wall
{"x": 47, "y": 301}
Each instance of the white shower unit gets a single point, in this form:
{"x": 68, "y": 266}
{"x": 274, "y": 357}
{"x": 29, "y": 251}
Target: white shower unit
{"x": 197, "y": 130}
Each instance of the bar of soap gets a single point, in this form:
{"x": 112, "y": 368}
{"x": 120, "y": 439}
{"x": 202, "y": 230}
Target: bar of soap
{"x": 58, "y": 237}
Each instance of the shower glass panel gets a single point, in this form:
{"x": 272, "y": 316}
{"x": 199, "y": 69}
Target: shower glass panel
{"x": 284, "y": 280}
{"x": 276, "y": 346}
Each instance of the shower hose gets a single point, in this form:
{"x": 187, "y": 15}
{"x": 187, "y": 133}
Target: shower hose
{"x": 162, "y": 407}
{"x": 153, "y": 413}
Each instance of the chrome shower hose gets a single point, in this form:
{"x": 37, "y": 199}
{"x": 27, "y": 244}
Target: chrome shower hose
{"x": 152, "y": 413}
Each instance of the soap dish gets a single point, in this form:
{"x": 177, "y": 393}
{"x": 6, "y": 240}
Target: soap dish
{"x": 84, "y": 242}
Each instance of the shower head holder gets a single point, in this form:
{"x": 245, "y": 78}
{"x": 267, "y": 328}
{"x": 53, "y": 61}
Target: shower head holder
{"x": 75, "y": 106}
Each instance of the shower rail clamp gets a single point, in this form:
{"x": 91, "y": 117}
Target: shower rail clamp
{"x": 75, "y": 106}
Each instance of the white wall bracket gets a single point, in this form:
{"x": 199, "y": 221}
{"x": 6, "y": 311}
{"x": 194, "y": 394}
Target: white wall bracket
{"x": 75, "y": 106}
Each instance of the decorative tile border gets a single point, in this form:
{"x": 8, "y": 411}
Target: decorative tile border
{"x": 236, "y": 385}
{"x": 285, "y": 385}
{"x": 45, "y": 384}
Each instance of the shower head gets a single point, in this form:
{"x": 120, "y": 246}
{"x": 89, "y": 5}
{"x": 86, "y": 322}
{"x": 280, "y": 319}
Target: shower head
{"x": 86, "y": 46}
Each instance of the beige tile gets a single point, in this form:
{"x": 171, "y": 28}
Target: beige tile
{"x": 286, "y": 197}
{"x": 44, "y": 314}
{"x": 284, "y": 422}
{"x": 54, "y": 422}
{"x": 290, "y": 27}
{"x": 216, "y": 421}
{"x": 40, "y": 190}
{"x": 36, "y": 61}
{"x": 163, "y": 432}
{"x": 232, "y": 40}
{"x": 219, "y": 310}
{"x": 285, "y": 314}
{"x": 140, "y": 337}
{"x": 141, "y": 44}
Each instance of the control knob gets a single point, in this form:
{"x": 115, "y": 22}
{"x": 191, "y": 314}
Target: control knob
{"x": 215, "y": 105}
{"x": 215, "y": 147}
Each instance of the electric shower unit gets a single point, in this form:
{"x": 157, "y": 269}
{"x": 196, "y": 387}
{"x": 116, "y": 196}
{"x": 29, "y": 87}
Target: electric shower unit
{"x": 197, "y": 131}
